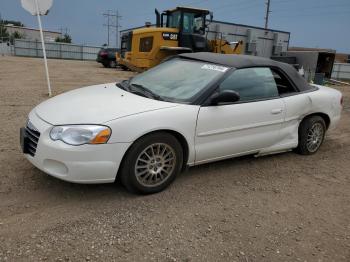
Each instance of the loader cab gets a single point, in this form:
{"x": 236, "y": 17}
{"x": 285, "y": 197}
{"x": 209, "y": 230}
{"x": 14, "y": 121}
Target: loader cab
{"x": 126, "y": 43}
{"x": 187, "y": 20}
{"x": 192, "y": 24}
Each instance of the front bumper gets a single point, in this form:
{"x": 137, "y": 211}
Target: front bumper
{"x": 87, "y": 164}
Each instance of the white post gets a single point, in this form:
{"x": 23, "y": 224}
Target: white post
{"x": 43, "y": 46}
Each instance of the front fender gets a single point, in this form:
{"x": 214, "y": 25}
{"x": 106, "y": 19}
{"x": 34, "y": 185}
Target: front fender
{"x": 181, "y": 119}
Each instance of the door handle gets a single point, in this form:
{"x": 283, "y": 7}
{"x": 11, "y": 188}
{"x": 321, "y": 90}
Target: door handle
{"x": 277, "y": 111}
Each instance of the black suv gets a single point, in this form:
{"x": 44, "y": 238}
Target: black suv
{"x": 106, "y": 56}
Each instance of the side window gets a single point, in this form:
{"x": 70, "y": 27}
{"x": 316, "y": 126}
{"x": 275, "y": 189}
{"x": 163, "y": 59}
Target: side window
{"x": 252, "y": 84}
{"x": 283, "y": 84}
{"x": 146, "y": 44}
{"x": 174, "y": 20}
{"x": 188, "y": 23}
{"x": 198, "y": 24}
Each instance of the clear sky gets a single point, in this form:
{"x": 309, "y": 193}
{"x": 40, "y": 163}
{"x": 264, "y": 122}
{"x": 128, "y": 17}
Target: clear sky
{"x": 312, "y": 23}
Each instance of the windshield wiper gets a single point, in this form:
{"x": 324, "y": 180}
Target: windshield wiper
{"x": 145, "y": 91}
{"x": 140, "y": 89}
{"x": 123, "y": 85}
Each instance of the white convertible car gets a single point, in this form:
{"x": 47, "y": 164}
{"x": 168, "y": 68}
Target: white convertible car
{"x": 189, "y": 110}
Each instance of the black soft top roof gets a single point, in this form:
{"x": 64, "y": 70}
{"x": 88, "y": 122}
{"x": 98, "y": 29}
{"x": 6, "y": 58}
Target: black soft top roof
{"x": 244, "y": 61}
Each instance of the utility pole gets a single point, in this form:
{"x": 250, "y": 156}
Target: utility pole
{"x": 108, "y": 15}
{"x": 267, "y": 14}
{"x": 113, "y": 19}
{"x": 117, "y": 28}
{"x": 1, "y": 25}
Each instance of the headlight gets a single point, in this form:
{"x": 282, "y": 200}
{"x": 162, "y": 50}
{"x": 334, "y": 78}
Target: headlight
{"x": 81, "y": 134}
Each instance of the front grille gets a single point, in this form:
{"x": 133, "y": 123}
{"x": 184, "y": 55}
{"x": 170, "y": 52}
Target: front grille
{"x": 32, "y": 138}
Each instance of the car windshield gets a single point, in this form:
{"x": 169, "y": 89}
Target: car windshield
{"x": 179, "y": 80}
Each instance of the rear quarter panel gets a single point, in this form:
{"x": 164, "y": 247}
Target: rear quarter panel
{"x": 323, "y": 100}
{"x": 327, "y": 100}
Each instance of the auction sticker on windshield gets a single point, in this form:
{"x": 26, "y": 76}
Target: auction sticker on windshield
{"x": 215, "y": 68}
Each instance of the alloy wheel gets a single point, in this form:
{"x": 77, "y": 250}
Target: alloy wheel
{"x": 155, "y": 164}
{"x": 315, "y": 137}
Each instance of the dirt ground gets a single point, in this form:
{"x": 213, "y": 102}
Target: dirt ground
{"x": 284, "y": 207}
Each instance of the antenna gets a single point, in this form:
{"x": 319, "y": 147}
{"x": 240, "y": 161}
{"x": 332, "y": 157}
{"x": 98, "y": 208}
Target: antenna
{"x": 113, "y": 19}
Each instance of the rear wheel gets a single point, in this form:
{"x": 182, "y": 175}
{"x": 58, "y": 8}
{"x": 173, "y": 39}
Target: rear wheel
{"x": 311, "y": 135}
{"x": 152, "y": 163}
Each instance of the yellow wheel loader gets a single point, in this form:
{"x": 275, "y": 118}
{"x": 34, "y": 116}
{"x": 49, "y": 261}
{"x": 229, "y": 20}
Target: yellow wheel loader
{"x": 179, "y": 30}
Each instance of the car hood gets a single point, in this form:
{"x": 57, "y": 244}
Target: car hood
{"x": 95, "y": 105}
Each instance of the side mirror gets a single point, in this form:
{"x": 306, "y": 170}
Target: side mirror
{"x": 226, "y": 96}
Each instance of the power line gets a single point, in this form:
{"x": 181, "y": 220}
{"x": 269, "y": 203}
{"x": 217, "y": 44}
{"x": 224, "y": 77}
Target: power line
{"x": 311, "y": 8}
{"x": 187, "y": 4}
{"x": 326, "y": 14}
{"x": 240, "y": 8}
{"x": 197, "y": 2}
{"x": 237, "y": 5}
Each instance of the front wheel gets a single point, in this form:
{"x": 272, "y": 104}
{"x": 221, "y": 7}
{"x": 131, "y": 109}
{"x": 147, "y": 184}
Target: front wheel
{"x": 124, "y": 68}
{"x": 152, "y": 163}
{"x": 311, "y": 135}
{"x": 112, "y": 64}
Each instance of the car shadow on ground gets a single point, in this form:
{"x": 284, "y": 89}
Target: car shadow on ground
{"x": 221, "y": 172}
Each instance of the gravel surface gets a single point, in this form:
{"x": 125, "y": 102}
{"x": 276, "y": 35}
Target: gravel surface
{"x": 284, "y": 207}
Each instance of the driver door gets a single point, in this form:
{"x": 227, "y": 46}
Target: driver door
{"x": 244, "y": 127}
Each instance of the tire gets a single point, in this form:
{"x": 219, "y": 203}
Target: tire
{"x": 105, "y": 64}
{"x": 124, "y": 68}
{"x": 312, "y": 131}
{"x": 152, "y": 163}
{"x": 112, "y": 64}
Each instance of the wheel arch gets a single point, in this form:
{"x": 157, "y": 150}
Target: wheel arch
{"x": 180, "y": 137}
{"x": 184, "y": 145}
{"x": 324, "y": 116}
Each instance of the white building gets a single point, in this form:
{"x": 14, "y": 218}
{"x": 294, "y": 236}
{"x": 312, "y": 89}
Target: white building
{"x": 33, "y": 34}
{"x": 257, "y": 41}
